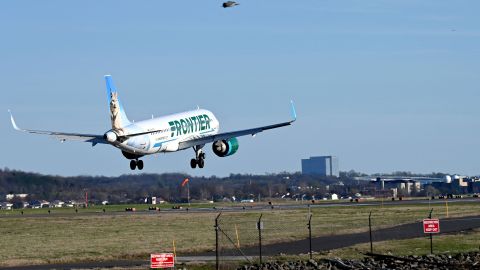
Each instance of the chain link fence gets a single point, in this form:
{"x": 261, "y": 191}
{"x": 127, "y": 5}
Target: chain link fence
{"x": 258, "y": 237}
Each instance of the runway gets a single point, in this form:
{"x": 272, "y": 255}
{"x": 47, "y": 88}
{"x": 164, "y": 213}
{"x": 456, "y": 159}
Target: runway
{"x": 242, "y": 208}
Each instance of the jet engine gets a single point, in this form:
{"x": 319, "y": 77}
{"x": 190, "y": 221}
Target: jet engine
{"x": 110, "y": 136}
{"x": 225, "y": 148}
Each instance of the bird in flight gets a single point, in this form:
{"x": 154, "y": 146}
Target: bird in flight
{"x": 230, "y": 4}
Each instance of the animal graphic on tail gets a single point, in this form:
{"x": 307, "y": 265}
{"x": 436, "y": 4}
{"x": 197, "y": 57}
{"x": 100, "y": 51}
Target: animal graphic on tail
{"x": 114, "y": 111}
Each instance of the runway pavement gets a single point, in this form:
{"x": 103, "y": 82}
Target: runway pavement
{"x": 242, "y": 208}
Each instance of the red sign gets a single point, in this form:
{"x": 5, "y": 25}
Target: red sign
{"x": 431, "y": 226}
{"x": 162, "y": 260}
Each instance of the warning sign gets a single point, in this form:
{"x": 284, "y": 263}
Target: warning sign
{"x": 431, "y": 226}
{"x": 162, "y": 260}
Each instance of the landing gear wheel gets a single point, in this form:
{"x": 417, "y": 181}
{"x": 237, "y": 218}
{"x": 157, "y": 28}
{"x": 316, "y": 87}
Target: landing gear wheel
{"x": 199, "y": 159}
{"x": 133, "y": 164}
{"x": 140, "y": 164}
{"x": 201, "y": 163}
{"x": 193, "y": 163}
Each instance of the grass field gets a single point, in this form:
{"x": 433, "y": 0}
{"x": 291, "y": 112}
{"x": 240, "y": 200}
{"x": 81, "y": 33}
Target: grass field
{"x": 455, "y": 243}
{"x": 70, "y": 238}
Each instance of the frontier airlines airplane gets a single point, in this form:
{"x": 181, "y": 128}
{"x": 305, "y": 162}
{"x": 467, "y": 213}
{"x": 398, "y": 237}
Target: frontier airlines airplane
{"x": 192, "y": 129}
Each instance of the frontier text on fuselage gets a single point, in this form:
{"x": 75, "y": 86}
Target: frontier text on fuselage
{"x": 189, "y": 125}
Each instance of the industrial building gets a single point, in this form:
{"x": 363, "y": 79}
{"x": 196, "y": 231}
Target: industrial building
{"x": 457, "y": 184}
{"x": 323, "y": 165}
{"x": 397, "y": 186}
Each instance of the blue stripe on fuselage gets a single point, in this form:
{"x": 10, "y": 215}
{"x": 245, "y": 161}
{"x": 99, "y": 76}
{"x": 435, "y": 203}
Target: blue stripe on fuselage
{"x": 160, "y": 143}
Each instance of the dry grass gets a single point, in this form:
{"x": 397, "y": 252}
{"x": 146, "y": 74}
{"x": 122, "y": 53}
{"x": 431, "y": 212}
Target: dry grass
{"x": 66, "y": 239}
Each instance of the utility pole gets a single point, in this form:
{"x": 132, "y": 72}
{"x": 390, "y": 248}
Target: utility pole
{"x": 188, "y": 192}
{"x": 370, "y": 230}
{"x": 259, "y": 227}
{"x": 86, "y": 198}
{"x": 310, "y": 233}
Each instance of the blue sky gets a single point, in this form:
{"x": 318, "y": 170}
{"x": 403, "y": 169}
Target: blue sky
{"x": 383, "y": 84}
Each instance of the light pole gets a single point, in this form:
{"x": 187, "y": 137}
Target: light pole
{"x": 188, "y": 193}
{"x": 86, "y": 197}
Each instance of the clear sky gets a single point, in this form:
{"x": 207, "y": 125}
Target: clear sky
{"x": 385, "y": 85}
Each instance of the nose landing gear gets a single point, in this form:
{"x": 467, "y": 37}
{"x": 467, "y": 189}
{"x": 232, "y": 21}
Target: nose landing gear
{"x": 136, "y": 163}
{"x": 200, "y": 158}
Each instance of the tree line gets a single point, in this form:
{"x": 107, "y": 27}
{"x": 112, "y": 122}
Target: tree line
{"x": 133, "y": 188}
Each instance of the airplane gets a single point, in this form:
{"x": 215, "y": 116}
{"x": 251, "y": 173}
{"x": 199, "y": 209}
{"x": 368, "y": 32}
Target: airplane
{"x": 230, "y": 4}
{"x": 171, "y": 133}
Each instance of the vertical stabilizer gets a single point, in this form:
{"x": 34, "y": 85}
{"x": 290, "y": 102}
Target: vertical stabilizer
{"x": 117, "y": 113}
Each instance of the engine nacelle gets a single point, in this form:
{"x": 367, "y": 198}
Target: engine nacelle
{"x": 225, "y": 148}
{"x": 110, "y": 136}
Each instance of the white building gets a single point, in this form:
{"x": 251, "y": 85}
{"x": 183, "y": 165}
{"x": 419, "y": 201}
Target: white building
{"x": 6, "y": 206}
{"x": 57, "y": 204}
{"x": 333, "y": 197}
{"x": 10, "y": 197}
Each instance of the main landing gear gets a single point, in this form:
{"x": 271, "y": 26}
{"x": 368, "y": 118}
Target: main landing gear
{"x": 136, "y": 163}
{"x": 200, "y": 158}
{"x": 134, "y": 160}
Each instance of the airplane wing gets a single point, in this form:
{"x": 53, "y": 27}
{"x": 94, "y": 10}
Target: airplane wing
{"x": 62, "y": 136}
{"x": 232, "y": 134}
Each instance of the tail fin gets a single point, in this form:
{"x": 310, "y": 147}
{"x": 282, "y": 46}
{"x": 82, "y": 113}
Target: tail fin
{"x": 117, "y": 113}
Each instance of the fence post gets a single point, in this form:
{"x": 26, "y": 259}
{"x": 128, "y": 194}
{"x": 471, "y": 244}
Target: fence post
{"x": 259, "y": 227}
{"x": 310, "y": 234}
{"x": 370, "y": 230}
{"x": 431, "y": 234}
{"x": 216, "y": 243}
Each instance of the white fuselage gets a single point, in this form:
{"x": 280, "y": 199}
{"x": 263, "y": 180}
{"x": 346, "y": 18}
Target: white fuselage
{"x": 167, "y": 132}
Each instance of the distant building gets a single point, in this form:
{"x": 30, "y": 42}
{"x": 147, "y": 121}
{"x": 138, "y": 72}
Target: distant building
{"x": 333, "y": 197}
{"x": 403, "y": 185}
{"x": 10, "y": 196}
{"x": 39, "y": 204}
{"x": 72, "y": 203}
{"x": 57, "y": 204}
{"x": 6, "y": 206}
{"x": 151, "y": 200}
{"x": 457, "y": 185}
{"x": 324, "y": 166}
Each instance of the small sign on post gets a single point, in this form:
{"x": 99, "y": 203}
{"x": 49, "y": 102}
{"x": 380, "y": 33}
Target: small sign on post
{"x": 431, "y": 226}
{"x": 162, "y": 261}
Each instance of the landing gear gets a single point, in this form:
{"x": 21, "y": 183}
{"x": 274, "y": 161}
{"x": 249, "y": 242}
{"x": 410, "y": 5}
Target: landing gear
{"x": 135, "y": 163}
{"x": 200, "y": 158}
{"x": 140, "y": 164}
{"x": 201, "y": 163}
{"x": 193, "y": 163}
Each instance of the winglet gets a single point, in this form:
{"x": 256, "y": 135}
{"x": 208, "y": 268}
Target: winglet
{"x": 294, "y": 112}
{"x": 13, "y": 121}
